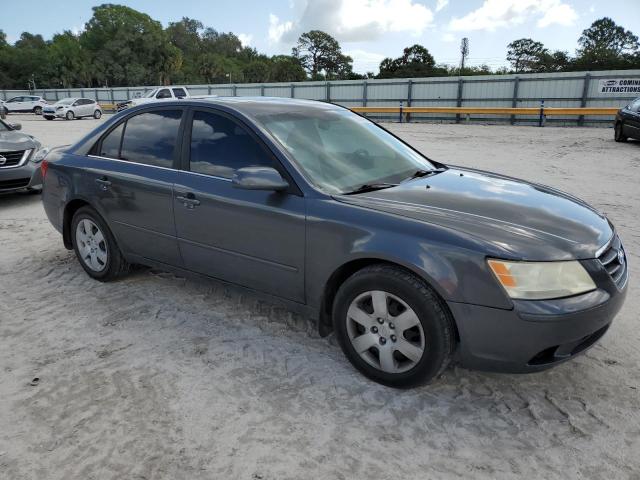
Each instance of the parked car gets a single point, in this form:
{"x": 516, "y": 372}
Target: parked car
{"x": 25, "y": 103}
{"x": 20, "y": 157}
{"x": 155, "y": 95}
{"x": 71, "y": 108}
{"x": 627, "y": 122}
{"x": 412, "y": 262}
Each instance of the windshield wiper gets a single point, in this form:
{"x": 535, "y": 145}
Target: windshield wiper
{"x": 370, "y": 187}
{"x": 425, "y": 173}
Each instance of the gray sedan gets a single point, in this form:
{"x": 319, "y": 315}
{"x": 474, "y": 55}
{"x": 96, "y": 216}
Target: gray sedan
{"x": 20, "y": 157}
{"x": 412, "y": 263}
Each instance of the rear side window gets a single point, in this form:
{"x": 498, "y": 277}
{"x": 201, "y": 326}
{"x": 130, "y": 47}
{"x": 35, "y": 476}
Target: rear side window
{"x": 219, "y": 146}
{"x": 150, "y": 138}
{"x": 179, "y": 92}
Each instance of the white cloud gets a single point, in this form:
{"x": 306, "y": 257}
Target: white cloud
{"x": 449, "y": 37}
{"x": 353, "y": 20}
{"x": 494, "y": 14}
{"x": 245, "y": 39}
{"x": 364, "y": 61}
{"x": 277, "y": 28}
{"x": 440, "y": 4}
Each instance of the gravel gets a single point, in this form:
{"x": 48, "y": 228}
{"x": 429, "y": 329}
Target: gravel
{"x": 158, "y": 376}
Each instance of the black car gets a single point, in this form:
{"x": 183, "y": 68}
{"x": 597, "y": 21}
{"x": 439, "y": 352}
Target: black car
{"x": 411, "y": 262}
{"x": 627, "y": 122}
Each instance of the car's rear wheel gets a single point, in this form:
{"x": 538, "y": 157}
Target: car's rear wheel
{"x": 392, "y": 326}
{"x": 95, "y": 246}
{"x": 618, "y": 133}
{"x": 97, "y": 114}
{"x": 37, "y": 110}
{"x": 69, "y": 115}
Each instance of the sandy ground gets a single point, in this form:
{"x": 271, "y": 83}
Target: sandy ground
{"x": 156, "y": 376}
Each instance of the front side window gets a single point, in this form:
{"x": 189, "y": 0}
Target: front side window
{"x": 14, "y": 100}
{"x": 219, "y": 146}
{"x": 340, "y": 151}
{"x": 164, "y": 93}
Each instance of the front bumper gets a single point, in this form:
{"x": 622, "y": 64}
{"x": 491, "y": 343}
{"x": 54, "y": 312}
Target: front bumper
{"x": 53, "y": 113}
{"x": 21, "y": 177}
{"x": 536, "y": 335}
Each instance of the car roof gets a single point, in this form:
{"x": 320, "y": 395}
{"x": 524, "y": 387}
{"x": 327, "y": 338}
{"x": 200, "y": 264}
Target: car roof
{"x": 262, "y": 105}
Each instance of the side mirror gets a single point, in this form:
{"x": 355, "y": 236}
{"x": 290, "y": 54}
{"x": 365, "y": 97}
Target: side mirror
{"x": 258, "y": 178}
{"x": 16, "y": 126}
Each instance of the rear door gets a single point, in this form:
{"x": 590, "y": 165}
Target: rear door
{"x": 132, "y": 178}
{"x": 248, "y": 237}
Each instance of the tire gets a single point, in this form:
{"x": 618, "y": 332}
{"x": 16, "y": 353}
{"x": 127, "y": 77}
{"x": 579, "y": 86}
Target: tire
{"x": 408, "y": 301}
{"x": 69, "y": 115}
{"x": 618, "y": 134}
{"x": 37, "y": 110}
{"x": 48, "y": 118}
{"x": 97, "y": 114}
{"x": 109, "y": 263}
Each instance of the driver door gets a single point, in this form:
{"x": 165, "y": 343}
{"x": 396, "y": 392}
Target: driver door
{"x": 249, "y": 237}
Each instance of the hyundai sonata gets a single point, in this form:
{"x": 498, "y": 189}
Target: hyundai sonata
{"x": 411, "y": 262}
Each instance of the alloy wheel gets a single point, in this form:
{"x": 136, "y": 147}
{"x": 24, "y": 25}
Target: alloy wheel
{"x": 385, "y": 331}
{"x": 92, "y": 247}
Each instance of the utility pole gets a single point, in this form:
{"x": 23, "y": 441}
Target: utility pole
{"x": 464, "y": 53}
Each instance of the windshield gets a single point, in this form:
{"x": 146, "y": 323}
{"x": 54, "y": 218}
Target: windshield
{"x": 340, "y": 151}
{"x": 151, "y": 93}
{"x": 66, "y": 101}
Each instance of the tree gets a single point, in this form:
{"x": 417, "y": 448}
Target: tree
{"x": 606, "y": 45}
{"x": 69, "y": 62}
{"x": 416, "y": 61}
{"x": 526, "y": 55}
{"x": 320, "y": 54}
{"x": 284, "y": 68}
{"x": 127, "y": 47}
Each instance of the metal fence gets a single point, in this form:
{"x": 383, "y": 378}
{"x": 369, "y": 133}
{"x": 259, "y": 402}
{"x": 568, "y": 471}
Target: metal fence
{"x": 567, "y": 89}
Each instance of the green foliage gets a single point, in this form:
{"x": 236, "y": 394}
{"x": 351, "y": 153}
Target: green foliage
{"x": 321, "y": 56}
{"x": 416, "y": 61}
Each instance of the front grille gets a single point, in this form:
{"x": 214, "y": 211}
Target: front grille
{"x": 614, "y": 261}
{"x": 11, "y": 159}
{"x": 11, "y": 184}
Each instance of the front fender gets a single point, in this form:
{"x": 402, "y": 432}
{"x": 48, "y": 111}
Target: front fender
{"x": 452, "y": 263}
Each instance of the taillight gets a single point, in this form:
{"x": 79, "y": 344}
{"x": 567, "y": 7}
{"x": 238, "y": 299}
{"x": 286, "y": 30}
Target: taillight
{"x": 44, "y": 166}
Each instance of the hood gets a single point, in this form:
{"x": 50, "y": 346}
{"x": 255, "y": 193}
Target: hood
{"x": 520, "y": 219}
{"x": 12, "y": 140}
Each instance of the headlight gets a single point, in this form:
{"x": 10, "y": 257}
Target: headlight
{"x": 541, "y": 280}
{"x": 40, "y": 154}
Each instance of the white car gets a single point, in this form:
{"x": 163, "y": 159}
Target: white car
{"x": 70, "y": 108}
{"x": 157, "y": 94}
{"x": 25, "y": 103}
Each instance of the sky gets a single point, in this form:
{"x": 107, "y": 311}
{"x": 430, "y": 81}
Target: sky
{"x": 368, "y": 30}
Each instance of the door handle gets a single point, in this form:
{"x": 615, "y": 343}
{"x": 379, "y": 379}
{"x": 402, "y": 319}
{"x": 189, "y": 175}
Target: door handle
{"x": 189, "y": 200}
{"x": 103, "y": 182}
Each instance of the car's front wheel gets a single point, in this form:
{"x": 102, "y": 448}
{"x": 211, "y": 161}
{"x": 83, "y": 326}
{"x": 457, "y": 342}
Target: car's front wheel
{"x": 69, "y": 115}
{"x": 95, "y": 246}
{"x": 392, "y": 326}
{"x": 97, "y": 114}
{"x": 618, "y": 133}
